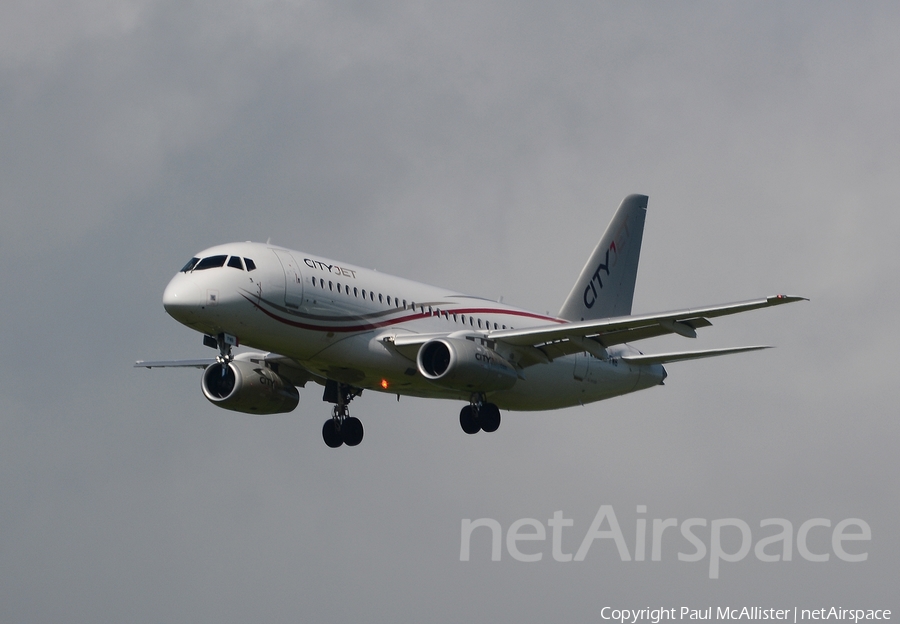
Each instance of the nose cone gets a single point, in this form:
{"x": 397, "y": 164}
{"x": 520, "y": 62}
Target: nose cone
{"x": 182, "y": 299}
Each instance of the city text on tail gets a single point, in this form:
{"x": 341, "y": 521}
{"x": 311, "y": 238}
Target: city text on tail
{"x": 349, "y": 329}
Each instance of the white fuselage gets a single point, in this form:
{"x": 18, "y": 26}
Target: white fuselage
{"x": 340, "y": 322}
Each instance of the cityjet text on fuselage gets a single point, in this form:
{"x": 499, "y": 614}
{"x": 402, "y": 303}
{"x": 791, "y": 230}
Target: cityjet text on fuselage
{"x": 329, "y": 268}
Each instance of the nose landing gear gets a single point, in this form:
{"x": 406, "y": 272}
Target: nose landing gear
{"x": 341, "y": 428}
{"x": 479, "y": 416}
{"x": 223, "y": 342}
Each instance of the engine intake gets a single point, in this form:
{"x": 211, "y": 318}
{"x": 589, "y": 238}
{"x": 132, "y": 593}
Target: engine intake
{"x": 246, "y": 387}
{"x": 464, "y": 365}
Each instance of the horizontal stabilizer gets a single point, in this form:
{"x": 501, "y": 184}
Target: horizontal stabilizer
{"x": 665, "y": 358}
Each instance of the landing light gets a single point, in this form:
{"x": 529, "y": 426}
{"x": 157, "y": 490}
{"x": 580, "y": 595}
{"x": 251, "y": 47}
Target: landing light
{"x": 384, "y": 384}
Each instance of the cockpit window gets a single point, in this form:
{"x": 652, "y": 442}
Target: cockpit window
{"x": 190, "y": 265}
{"x": 210, "y": 263}
{"x": 235, "y": 263}
{"x": 251, "y": 266}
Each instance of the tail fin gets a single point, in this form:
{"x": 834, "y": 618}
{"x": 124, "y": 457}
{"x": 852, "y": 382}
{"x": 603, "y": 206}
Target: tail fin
{"x": 605, "y": 287}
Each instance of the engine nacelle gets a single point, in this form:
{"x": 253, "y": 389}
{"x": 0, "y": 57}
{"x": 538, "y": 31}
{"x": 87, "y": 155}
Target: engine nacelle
{"x": 464, "y": 365}
{"x": 248, "y": 387}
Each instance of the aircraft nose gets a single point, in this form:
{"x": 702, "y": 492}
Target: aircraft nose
{"x": 182, "y": 298}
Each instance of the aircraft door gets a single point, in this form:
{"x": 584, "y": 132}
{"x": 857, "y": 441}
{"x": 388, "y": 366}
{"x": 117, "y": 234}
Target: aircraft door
{"x": 293, "y": 281}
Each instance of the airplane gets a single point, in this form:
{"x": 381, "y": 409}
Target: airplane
{"x": 351, "y": 329}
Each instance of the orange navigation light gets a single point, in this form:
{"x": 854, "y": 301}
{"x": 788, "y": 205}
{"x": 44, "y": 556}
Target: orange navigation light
{"x": 384, "y": 384}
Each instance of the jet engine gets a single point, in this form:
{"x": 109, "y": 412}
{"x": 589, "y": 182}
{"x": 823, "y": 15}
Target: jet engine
{"x": 462, "y": 364}
{"x": 247, "y": 387}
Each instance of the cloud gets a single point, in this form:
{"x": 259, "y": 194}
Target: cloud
{"x": 478, "y": 146}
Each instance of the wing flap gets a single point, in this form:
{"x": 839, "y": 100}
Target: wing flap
{"x": 291, "y": 369}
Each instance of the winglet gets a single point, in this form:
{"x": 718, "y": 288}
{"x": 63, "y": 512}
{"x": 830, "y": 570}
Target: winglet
{"x": 779, "y": 299}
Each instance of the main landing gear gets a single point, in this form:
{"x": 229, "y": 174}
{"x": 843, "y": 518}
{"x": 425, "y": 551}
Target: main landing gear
{"x": 341, "y": 428}
{"x": 479, "y": 416}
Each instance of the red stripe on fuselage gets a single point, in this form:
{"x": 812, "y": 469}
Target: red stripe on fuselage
{"x": 395, "y": 321}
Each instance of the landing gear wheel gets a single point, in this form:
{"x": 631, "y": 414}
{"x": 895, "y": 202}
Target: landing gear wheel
{"x": 489, "y": 417}
{"x": 342, "y": 428}
{"x": 331, "y": 434}
{"x": 468, "y": 420}
{"x": 352, "y": 431}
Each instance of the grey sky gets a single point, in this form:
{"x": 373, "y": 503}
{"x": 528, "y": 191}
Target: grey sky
{"x": 480, "y": 146}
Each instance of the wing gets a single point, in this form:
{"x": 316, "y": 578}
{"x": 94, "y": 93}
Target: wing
{"x": 284, "y": 366}
{"x": 554, "y": 341}
{"x": 544, "y": 343}
{"x": 203, "y": 363}
{"x": 549, "y": 342}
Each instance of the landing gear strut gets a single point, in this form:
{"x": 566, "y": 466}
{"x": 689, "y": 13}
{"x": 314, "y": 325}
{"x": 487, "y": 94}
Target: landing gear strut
{"x": 341, "y": 428}
{"x": 223, "y": 342}
{"x": 479, "y": 416}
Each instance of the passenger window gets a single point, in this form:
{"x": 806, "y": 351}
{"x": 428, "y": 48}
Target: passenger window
{"x": 330, "y": 285}
{"x": 381, "y": 301}
{"x": 479, "y": 323}
{"x": 371, "y": 296}
{"x": 355, "y": 292}
{"x": 314, "y": 280}
{"x": 339, "y": 287}
{"x": 190, "y": 265}
{"x": 235, "y": 263}
{"x": 364, "y": 293}
{"x": 212, "y": 262}
{"x": 251, "y": 266}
